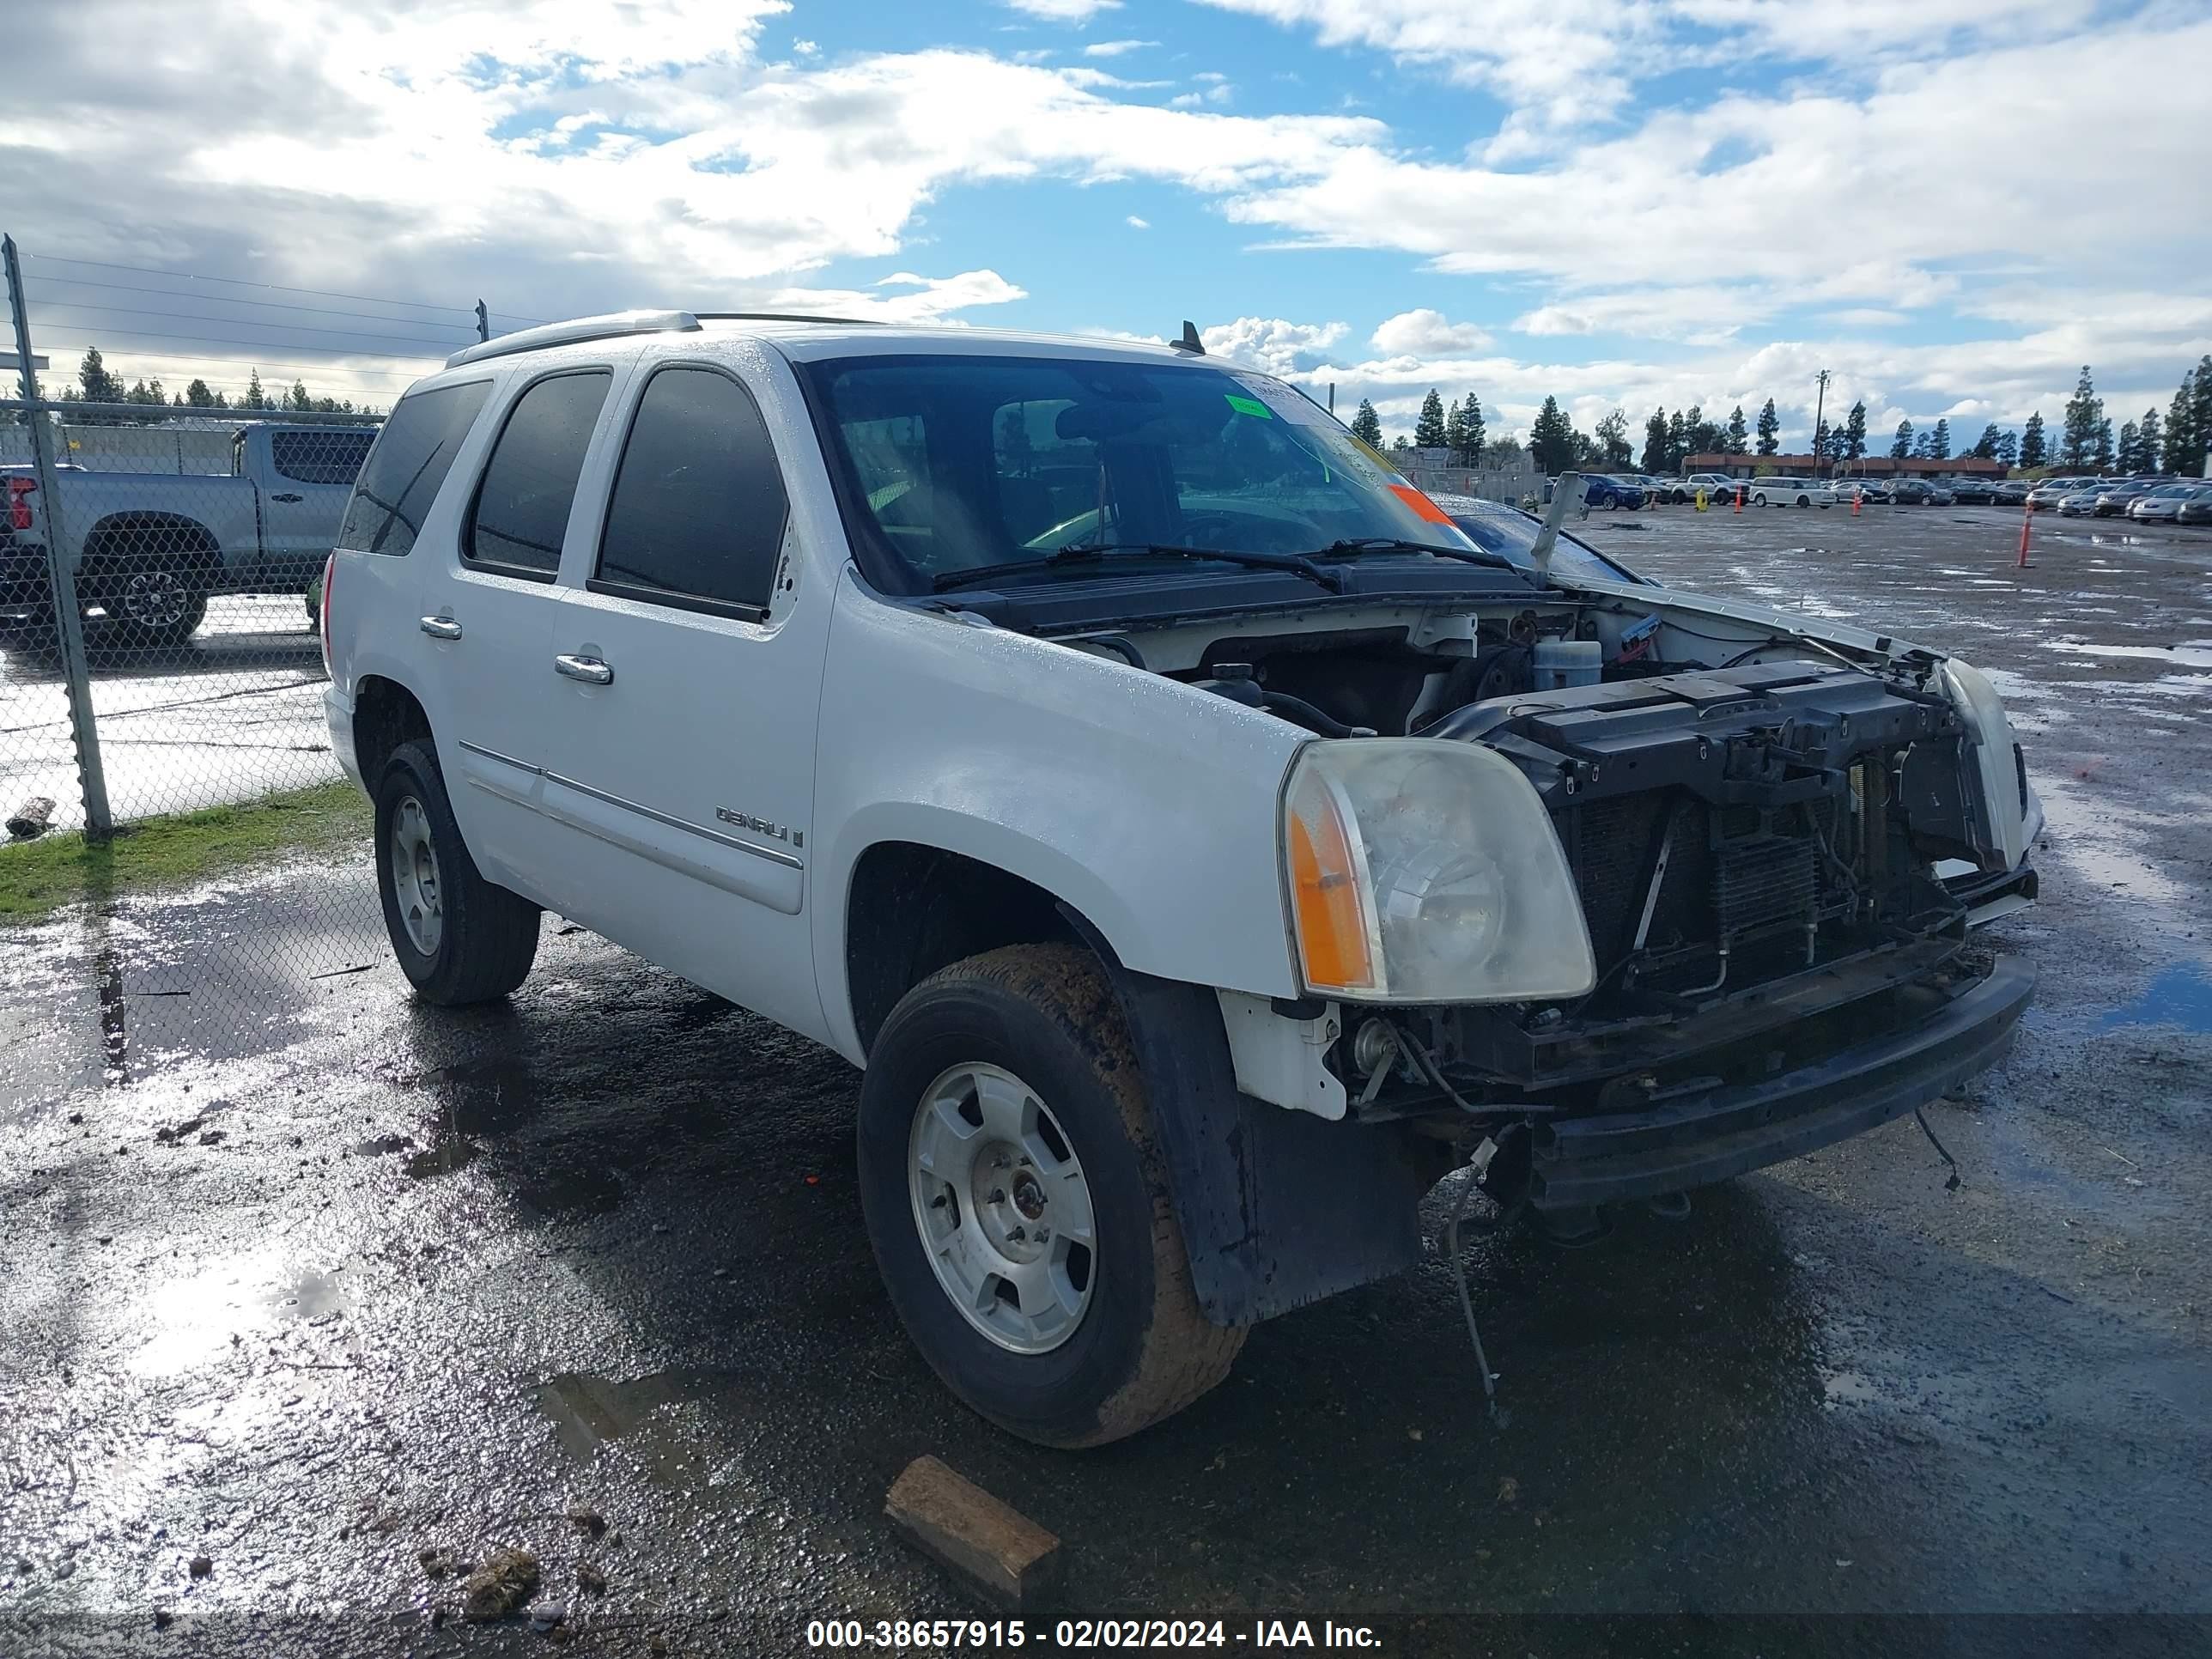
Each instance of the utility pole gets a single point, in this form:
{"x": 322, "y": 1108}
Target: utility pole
{"x": 1820, "y": 403}
{"x": 483, "y": 322}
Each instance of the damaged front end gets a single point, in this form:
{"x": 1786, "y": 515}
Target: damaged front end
{"x": 1778, "y": 865}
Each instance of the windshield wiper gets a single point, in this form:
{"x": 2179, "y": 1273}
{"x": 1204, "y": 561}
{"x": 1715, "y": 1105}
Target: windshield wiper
{"x": 1398, "y": 545}
{"x": 1095, "y": 552}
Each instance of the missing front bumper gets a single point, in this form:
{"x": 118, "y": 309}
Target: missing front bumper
{"x": 1727, "y": 1131}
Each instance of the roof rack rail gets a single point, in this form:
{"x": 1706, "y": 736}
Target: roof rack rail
{"x": 783, "y": 317}
{"x": 613, "y": 324}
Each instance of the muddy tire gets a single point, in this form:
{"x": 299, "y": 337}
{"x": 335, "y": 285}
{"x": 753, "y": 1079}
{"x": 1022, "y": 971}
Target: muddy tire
{"x": 1002, "y": 1095}
{"x": 458, "y": 937}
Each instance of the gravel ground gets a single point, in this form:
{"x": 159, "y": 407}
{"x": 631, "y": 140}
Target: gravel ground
{"x": 302, "y": 1281}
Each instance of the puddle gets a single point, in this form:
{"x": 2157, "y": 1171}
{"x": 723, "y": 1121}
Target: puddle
{"x": 2181, "y": 995}
{"x": 2193, "y": 654}
{"x": 441, "y": 1159}
{"x": 382, "y": 1146}
{"x": 647, "y": 1414}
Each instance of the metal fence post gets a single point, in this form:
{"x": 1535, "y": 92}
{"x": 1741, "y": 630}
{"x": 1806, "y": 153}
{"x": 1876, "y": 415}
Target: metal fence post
{"x": 61, "y": 572}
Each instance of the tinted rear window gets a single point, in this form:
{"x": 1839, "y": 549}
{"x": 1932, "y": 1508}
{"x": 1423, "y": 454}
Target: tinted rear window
{"x": 319, "y": 458}
{"x": 411, "y": 458}
{"x": 521, "y": 513}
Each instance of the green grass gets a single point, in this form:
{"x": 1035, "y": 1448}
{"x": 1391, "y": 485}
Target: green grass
{"x": 37, "y": 878}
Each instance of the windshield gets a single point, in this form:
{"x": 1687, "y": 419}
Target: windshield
{"x": 962, "y": 463}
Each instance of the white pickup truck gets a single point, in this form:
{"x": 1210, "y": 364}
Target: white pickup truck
{"x": 1205, "y": 843}
{"x": 152, "y": 547}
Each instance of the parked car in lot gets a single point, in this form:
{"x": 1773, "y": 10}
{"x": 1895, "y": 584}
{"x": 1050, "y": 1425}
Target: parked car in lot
{"x": 151, "y": 548}
{"x": 1791, "y": 492}
{"x": 2083, "y": 503}
{"x": 2163, "y": 504}
{"x": 1717, "y": 485}
{"x": 2051, "y": 492}
{"x": 1920, "y": 492}
{"x": 1876, "y": 490}
{"x": 2196, "y": 509}
{"x": 2010, "y": 492}
{"x": 1601, "y": 489}
{"x": 1161, "y": 799}
{"x": 1971, "y": 492}
{"x": 1661, "y": 491}
{"x": 2114, "y": 501}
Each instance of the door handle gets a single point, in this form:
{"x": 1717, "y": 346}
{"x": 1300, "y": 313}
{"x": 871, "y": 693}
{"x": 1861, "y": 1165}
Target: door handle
{"x": 289, "y": 495}
{"x": 590, "y": 670}
{"x": 442, "y": 628}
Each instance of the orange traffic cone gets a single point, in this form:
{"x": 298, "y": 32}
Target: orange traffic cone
{"x": 1738, "y": 498}
{"x": 2026, "y": 519}
{"x": 1857, "y": 495}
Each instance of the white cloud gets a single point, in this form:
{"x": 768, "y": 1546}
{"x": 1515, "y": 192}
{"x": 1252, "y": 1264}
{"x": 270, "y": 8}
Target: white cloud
{"x": 1135, "y": 223}
{"x": 1426, "y": 333}
{"x": 1115, "y": 48}
{"x": 1065, "y": 11}
{"x": 1270, "y": 343}
{"x": 804, "y": 48}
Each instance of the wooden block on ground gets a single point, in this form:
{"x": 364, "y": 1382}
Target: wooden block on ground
{"x": 995, "y": 1550}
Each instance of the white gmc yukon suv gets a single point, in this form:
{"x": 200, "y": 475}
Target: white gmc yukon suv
{"x": 1204, "y": 842}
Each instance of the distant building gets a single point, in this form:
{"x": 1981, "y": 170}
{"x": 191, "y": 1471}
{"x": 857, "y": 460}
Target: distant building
{"x": 1867, "y": 466}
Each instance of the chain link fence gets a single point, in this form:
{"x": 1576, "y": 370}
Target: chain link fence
{"x": 160, "y": 664}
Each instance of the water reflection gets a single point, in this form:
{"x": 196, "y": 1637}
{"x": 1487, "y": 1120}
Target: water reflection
{"x": 2182, "y": 995}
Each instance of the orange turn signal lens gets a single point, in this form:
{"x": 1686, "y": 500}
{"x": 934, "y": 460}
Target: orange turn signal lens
{"x": 1336, "y": 944}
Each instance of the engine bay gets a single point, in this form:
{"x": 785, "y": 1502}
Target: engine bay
{"x": 1754, "y": 819}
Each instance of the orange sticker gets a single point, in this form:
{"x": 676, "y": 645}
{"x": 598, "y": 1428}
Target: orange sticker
{"x": 1422, "y": 506}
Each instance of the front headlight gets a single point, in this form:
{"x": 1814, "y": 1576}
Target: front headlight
{"x": 1422, "y": 871}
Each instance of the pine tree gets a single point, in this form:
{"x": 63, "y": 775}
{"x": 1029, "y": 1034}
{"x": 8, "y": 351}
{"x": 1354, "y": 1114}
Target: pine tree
{"x": 1470, "y": 419}
{"x": 2184, "y": 450}
{"x": 2128, "y": 456}
{"x": 1455, "y": 434}
{"x": 1367, "y": 425}
{"x": 2007, "y": 453}
{"x": 1611, "y": 434}
{"x": 196, "y": 396}
{"x": 1939, "y": 440}
{"x": 2102, "y": 450}
{"x": 1903, "y": 446}
{"x": 1855, "y": 432}
{"x": 1985, "y": 446}
{"x": 2085, "y": 415}
{"x": 2033, "y": 453}
{"x": 255, "y": 397}
{"x": 1678, "y": 432}
{"x": 99, "y": 385}
{"x": 1429, "y": 430}
{"x": 2200, "y": 415}
{"x": 2150, "y": 441}
{"x": 1821, "y": 439}
{"x": 1552, "y": 439}
{"x": 1654, "y": 441}
{"x": 1770, "y": 430}
{"x": 1738, "y": 437}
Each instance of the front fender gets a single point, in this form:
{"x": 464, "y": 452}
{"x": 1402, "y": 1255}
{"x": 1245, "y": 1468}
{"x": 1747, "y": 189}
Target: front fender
{"x": 1147, "y": 807}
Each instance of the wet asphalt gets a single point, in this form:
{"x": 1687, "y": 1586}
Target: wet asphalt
{"x": 298, "y": 1280}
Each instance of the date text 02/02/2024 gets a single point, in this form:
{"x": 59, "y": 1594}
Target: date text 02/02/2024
{"x": 1066, "y": 1634}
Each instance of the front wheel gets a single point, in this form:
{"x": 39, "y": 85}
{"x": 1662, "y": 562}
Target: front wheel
{"x": 460, "y": 939}
{"x": 1018, "y": 1205}
{"x": 1759, "y": 500}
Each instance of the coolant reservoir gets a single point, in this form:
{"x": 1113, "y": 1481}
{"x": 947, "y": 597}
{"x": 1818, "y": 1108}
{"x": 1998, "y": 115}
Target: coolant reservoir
{"x": 1562, "y": 663}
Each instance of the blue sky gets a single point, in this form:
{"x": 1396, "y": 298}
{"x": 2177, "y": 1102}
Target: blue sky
{"x": 1622, "y": 203}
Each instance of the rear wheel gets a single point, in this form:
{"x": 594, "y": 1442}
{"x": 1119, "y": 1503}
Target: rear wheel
{"x": 460, "y": 939}
{"x": 1759, "y": 500}
{"x": 1017, "y": 1205}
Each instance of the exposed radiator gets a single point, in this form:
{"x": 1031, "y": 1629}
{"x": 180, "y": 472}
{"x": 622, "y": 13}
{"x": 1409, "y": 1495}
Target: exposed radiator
{"x": 1760, "y": 881}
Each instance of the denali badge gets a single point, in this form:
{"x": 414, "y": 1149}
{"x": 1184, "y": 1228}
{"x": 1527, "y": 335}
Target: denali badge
{"x": 762, "y": 826}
